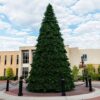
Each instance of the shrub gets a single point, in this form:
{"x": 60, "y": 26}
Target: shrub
{"x": 99, "y": 69}
{"x": 15, "y": 78}
{"x": 9, "y": 72}
{"x": 96, "y": 77}
{"x": 80, "y": 77}
{"x": 75, "y": 72}
{"x": 5, "y": 78}
{"x": 90, "y": 70}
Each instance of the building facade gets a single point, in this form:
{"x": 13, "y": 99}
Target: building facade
{"x": 20, "y": 61}
{"x": 9, "y": 59}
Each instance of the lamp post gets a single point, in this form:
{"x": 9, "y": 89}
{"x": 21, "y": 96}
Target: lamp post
{"x": 85, "y": 76}
{"x": 82, "y": 65}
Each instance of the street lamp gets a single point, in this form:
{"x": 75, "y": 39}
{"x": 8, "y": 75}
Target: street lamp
{"x": 82, "y": 65}
{"x": 84, "y": 71}
{"x": 82, "y": 60}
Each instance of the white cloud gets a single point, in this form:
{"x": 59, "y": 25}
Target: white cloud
{"x": 27, "y": 12}
{"x": 31, "y": 40}
{"x": 23, "y": 12}
{"x": 88, "y": 27}
{"x": 86, "y": 35}
{"x": 27, "y": 15}
{"x": 8, "y": 28}
{"x": 83, "y": 41}
{"x": 11, "y": 43}
{"x": 97, "y": 16}
{"x": 84, "y": 7}
{"x": 17, "y": 33}
{"x": 68, "y": 3}
{"x": 4, "y": 25}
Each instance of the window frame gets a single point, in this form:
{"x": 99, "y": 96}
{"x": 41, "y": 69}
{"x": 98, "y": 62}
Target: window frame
{"x": 25, "y": 56}
{"x": 5, "y": 60}
{"x": 11, "y": 60}
{"x": 17, "y": 60}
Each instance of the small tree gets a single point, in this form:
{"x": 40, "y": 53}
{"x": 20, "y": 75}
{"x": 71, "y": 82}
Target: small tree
{"x": 9, "y": 72}
{"x": 75, "y": 72}
{"x": 90, "y": 70}
{"x": 99, "y": 69}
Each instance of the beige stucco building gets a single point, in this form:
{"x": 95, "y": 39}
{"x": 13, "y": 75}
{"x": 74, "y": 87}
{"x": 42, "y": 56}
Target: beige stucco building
{"x": 20, "y": 61}
{"x": 92, "y": 56}
{"x": 9, "y": 59}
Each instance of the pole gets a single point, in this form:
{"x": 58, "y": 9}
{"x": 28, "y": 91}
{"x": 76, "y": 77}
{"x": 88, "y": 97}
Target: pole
{"x": 86, "y": 81}
{"x": 82, "y": 60}
{"x": 63, "y": 87}
{"x": 90, "y": 85}
{"x": 20, "y": 87}
{"x": 7, "y": 85}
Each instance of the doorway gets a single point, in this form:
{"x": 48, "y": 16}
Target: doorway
{"x": 25, "y": 72}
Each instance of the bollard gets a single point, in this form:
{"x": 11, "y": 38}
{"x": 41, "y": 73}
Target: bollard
{"x": 90, "y": 85}
{"x": 63, "y": 87}
{"x": 83, "y": 78}
{"x": 86, "y": 81}
{"x": 7, "y": 85}
{"x": 20, "y": 87}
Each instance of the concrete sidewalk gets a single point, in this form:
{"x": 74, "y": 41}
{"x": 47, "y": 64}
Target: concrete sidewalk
{"x": 94, "y": 94}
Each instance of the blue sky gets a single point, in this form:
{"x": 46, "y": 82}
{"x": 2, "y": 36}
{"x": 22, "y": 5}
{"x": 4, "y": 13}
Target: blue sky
{"x": 20, "y": 21}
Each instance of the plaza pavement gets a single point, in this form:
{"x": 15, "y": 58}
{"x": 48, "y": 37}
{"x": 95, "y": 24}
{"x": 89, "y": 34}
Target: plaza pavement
{"x": 96, "y": 93}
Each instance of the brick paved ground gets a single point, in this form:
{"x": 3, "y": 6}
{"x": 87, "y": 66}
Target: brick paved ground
{"x": 96, "y": 98}
{"x": 3, "y": 81}
{"x": 81, "y": 89}
{"x": 78, "y": 90}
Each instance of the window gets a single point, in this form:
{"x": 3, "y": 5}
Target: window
{"x": 85, "y": 57}
{"x": 26, "y": 56}
{"x": 4, "y": 71}
{"x": 17, "y": 60}
{"x": 5, "y": 62}
{"x": 25, "y": 72}
{"x": 11, "y": 59}
{"x": 17, "y": 72}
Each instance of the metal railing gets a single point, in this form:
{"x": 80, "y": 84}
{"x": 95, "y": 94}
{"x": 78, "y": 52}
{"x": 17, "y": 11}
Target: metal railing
{"x": 13, "y": 83}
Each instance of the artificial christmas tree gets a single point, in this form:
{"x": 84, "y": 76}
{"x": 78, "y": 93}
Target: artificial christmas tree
{"x": 50, "y": 63}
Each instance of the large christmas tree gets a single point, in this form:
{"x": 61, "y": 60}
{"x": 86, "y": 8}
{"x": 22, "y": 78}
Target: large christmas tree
{"x": 50, "y": 62}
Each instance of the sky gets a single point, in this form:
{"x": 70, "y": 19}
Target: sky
{"x": 20, "y": 21}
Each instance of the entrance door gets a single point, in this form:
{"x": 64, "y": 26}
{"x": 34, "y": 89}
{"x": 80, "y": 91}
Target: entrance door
{"x": 25, "y": 72}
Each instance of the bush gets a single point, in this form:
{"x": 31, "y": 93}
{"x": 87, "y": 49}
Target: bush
{"x": 75, "y": 72}
{"x": 15, "y": 78}
{"x": 9, "y": 72}
{"x": 90, "y": 70}
{"x": 96, "y": 77}
{"x": 99, "y": 69}
{"x": 80, "y": 77}
{"x": 5, "y": 78}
